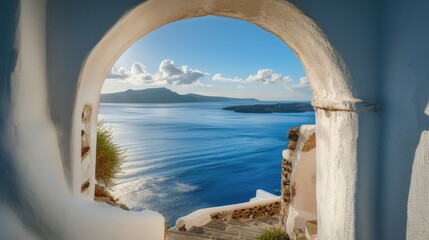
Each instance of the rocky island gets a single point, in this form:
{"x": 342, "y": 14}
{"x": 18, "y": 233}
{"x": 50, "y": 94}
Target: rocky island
{"x": 294, "y": 107}
{"x": 162, "y": 95}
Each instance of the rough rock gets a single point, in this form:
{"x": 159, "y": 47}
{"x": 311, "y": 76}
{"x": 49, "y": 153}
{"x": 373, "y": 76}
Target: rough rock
{"x": 291, "y": 145}
{"x": 293, "y": 133}
{"x": 102, "y": 195}
{"x": 124, "y": 207}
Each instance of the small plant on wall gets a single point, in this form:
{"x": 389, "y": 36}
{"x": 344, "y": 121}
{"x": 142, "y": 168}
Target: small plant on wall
{"x": 109, "y": 157}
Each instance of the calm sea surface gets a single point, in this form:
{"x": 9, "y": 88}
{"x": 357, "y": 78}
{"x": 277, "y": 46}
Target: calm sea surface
{"x": 186, "y": 156}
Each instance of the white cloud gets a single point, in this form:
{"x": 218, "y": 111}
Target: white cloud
{"x": 299, "y": 88}
{"x": 179, "y": 75}
{"x": 138, "y": 68}
{"x": 302, "y": 83}
{"x": 263, "y": 75}
{"x": 167, "y": 68}
{"x": 287, "y": 79}
{"x": 268, "y": 76}
{"x": 120, "y": 74}
{"x": 168, "y": 74}
{"x": 219, "y": 77}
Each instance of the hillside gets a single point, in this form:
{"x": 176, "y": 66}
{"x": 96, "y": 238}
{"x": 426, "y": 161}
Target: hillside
{"x": 161, "y": 95}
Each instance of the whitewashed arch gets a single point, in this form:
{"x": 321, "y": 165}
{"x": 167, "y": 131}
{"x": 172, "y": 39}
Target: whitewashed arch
{"x": 336, "y": 107}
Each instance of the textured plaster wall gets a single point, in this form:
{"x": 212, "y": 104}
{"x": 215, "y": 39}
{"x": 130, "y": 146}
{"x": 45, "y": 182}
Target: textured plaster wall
{"x": 404, "y": 74}
{"x": 383, "y": 44}
{"x": 39, "y": 205}
{"x": 351, "y": 27}
{"x": 11, "y": 226}
{"x": 73, "y": 29}
{"x": 305, "y": 198}
{"x": 418, "y": 198}
{"x": 346, "y": 24}
{"x": 337, "y": 134}
{"x": 9, "y": 14}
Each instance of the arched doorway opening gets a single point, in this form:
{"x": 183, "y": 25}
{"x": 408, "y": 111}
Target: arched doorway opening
{"x": 336, "y": 108}
{"x": 183, "y": 155}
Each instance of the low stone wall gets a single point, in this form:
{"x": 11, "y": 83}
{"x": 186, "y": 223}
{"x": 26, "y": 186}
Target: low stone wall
{"x": 293, "y": 136}
{"x": 285, "y": 189}
{"x": 263, "y": 204}
{"x": 248, "y": 213}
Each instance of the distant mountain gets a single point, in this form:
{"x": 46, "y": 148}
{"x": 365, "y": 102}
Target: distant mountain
{"x": 161, "y": 95}
{"x": 296, "y": 107}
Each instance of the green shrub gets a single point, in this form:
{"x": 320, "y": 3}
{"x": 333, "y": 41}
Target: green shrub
{"x": 109, "y": 158}
{"x": 273, "y": 233}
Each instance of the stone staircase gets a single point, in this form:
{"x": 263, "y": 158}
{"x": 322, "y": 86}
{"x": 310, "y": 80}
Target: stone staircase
{"x": 245, "y": 229}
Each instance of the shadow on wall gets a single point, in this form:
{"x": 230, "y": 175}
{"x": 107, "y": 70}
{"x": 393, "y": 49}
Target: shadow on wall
{"x": 9, "y": 188}
{"x": 418, "y": 216}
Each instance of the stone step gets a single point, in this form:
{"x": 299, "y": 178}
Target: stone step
{"x": 257, "y": 223}
{"x": 239, "y": 229}
{"x": 270, "y": 220}
{"x": 214, "y": 233}
{"x": 181, "y": 235}
{"x": 236, "y": 222}
{"x": 245, "y": 233}
{"x": 217, "y": 225}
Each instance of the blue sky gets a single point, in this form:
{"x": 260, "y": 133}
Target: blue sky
{"x": 212, "y": 56}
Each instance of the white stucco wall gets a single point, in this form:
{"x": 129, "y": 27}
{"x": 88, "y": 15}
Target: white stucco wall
{"x": 336, "y": 149}
{"x": 368, "y": 169}
{"x": 305, "y": 198}
{"x": 404, "y": 75}
{"x": 326, "y": 71}
{"x": 418, "y": 198}
{"x": 50, "y": 209}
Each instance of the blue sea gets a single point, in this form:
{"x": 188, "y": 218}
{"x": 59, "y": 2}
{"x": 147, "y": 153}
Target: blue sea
{"x": 185, "y": 156}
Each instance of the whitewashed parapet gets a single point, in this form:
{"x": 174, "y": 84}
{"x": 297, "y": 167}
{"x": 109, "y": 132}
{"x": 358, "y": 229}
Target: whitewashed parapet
{"x": 261, "y": 195}
{"x": 267, "y": 204}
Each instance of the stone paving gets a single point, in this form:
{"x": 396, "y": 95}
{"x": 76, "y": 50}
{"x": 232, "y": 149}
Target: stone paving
{"x": 245, "y": 229}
